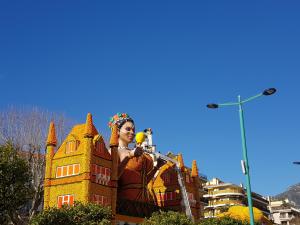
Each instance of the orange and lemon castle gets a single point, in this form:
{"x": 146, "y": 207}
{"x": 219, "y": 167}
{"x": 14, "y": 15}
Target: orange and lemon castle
{"x": 82, "y": 169}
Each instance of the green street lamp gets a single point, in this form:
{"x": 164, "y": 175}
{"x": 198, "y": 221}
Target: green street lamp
{"x": 245, "y": 164}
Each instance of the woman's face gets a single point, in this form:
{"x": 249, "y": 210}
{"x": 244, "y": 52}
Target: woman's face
{"x": 127, "y": 132}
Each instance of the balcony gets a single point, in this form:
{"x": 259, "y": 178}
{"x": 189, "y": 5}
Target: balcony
{"x": 229, "y": 191}
{"x": 285, "y": 217}
{"x": 223, "y": 203}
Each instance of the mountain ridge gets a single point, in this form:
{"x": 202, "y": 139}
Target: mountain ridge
{"x": 292, "y": 193}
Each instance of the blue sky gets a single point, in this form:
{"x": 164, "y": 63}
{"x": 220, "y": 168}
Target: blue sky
{"x": 162, "y": 62}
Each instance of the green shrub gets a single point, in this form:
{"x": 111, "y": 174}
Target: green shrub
{"x": 79, "y": 214}
{"x": 223, "y": 221}
{"x": 168, "y": 218}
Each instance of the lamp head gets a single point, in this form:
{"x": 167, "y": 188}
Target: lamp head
{"x": 269, "y": 91}
{"x": 212, "y": 106}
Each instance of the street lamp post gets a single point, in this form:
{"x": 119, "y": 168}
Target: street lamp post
{"x": 245, "y": 163}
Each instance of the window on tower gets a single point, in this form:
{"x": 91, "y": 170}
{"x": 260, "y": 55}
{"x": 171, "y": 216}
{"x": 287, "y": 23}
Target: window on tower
{"x": 68, "y": 170}
{"x": 65, "y": 200}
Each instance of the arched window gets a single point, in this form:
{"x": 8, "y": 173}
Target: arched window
{"x": 71, "y": 146}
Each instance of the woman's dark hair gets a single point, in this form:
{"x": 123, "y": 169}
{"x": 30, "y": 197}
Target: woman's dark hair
{"x": 122, "y": 122}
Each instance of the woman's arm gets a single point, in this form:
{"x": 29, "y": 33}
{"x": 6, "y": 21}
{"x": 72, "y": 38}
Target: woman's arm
{"x": 152, "y": 172}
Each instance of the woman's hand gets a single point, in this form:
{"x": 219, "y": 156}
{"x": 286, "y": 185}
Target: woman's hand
{"x": 138, "y": 151}
{"x": 160, "y": 163}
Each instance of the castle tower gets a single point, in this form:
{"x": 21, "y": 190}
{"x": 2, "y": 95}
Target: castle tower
{"x": 80, "y": 170}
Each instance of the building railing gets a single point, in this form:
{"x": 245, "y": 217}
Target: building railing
{"x": 285, "y": 216}
{"x": 226, "y": 202}
{"x": 228, "y": 190}
{"x": 209, "y": 215}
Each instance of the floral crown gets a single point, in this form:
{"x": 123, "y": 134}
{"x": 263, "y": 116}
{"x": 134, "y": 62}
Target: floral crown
{"x": 118, "y": 119}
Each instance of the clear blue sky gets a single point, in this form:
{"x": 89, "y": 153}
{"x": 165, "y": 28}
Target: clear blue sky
{"x": 162, "y": 62}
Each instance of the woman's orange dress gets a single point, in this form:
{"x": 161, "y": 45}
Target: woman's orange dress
{"x": 132, "y": 184}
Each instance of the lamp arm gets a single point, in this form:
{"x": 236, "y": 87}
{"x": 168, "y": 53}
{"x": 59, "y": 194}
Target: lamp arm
{"x": 251, "y": 98}
{"x": 228, "y": 104}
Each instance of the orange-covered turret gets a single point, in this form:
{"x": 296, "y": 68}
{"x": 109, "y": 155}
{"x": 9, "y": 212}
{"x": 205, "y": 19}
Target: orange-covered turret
{"x": 50, "y": 149}
{"x": 194, "y": 169}
{"x": 180, "y": 160}
{"x": 88, "y": 132}
{"x": 51, "y": 139}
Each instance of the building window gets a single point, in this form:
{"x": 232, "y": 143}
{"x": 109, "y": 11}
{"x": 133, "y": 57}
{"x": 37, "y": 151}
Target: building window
{"x": 167, "y": 196}
{"x": 65, "y": 200}
{"x": 71, "y": 146}
{"x": 69, "y": 170}
{"x": 102, "y": 174}
{"x": 101, "y": 200}
{"x": 187, "y": 178}
{"x": 166, "y": 178}
{"x": 99, "y": 146}
{"x": 191, "y": 198}
{"x": 170, "y": 196}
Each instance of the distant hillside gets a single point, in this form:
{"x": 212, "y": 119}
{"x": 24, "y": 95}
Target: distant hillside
{"x": 292, "y": 193}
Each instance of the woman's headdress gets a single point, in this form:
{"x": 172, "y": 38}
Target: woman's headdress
{"x": 119, "y": 119}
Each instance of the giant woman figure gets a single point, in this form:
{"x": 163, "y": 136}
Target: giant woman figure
{"x": 135, "y": 167}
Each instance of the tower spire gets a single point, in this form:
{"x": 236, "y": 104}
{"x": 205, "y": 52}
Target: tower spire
{"x": 194, "y": 169}
{"x": 114, "y": 139}
{"x": 51, "y": 139}
{"x": 88, "y": 132}
{"x": 180, "y": 160}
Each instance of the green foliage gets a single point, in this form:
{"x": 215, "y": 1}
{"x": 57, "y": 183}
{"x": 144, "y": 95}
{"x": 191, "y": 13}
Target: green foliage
{"x": 168, "y": 218}
{"x": 15, "y": 182}
{"x": 79, "y": 214}
{"x": 176, "y": 218}
{"x": 223, "y": 221}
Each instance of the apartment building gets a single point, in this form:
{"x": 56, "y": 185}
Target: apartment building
{"x": 202, "y": 191}
{"x": 283, "y": 211}
{"x": 221, "y": 195}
